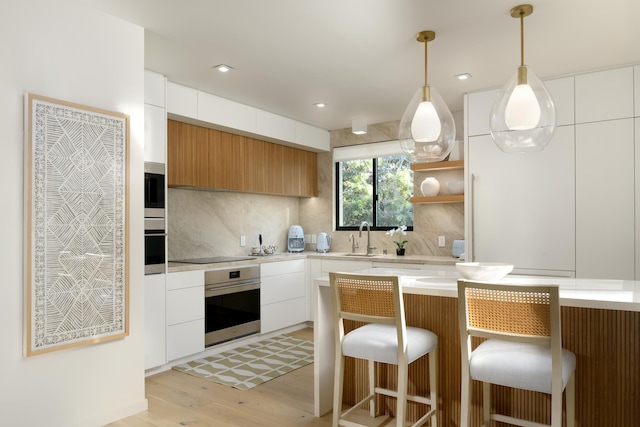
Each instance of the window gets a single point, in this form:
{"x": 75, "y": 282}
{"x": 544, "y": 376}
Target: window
{"x": 376, "y": 190}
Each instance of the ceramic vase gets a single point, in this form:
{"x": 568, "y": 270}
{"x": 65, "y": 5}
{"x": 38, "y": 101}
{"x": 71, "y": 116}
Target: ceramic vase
{"x": 430, "y": 187}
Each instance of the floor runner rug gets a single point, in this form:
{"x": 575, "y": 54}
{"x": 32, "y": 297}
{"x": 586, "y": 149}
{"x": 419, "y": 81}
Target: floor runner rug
{"x": 248, "y": 366}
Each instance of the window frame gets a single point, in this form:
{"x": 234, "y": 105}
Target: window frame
{"x": 337, "y": 200}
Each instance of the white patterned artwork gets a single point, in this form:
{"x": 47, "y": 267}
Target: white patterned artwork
{"x": 76, "y": 225}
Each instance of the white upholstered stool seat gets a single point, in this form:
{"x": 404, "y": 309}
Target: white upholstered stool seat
{"x": 518, "y": 365}
{"x": 385, "y": 338}
{"x": 522, "y": 348}
{"x": 380, "y": 343}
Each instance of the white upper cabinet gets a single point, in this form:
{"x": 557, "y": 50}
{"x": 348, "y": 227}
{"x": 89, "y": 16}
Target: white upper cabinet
{"x": 562, "y": 92}
{"x": 478, "y": 110}
{"x": 604, "y": 95}
{"x": 155, "y": 134}
{"x": 154, "y": 88}
{"x": 182, "y": 101}
{"x": 228, "y": 115}
{"x": 605, "y": 200}
{"x": 223, "y": 112}
{"x": 275, "y": 126}
{"x": 478, "y": 105}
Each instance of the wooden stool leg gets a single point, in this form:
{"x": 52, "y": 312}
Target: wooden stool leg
{"x": 465, "y": 399}
{"x": 372, "y": 388}
{"x": 570, "y": 393}
{"x": 338, "y": 381}
{"x": 433, "y": 384}
{"x": 401, "y": 406}
{"x": 486, "y": 404}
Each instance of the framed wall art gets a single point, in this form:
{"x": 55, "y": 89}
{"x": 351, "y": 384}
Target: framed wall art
{"x": 76, "y": 225}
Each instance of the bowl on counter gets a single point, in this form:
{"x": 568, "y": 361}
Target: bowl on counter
{"x": 455, "y": 187}
{"x": 484, "y": 271}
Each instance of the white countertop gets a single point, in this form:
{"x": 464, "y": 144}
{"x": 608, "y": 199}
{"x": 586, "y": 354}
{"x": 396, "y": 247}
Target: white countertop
{"x": 574, "y": 292}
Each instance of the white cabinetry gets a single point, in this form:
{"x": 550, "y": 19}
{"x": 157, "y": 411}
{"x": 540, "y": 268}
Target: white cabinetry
{"x": 637, "y": 181}
{"x": 155, "y": 118}
{"x": 604, "y": 95}
{"x": 605, "y": 200}
{"x": 205, "y": 109}
{"x": 185, "y": 313}
{"x": 283, "y": 296}
{"x": 521, "y": 207}
{"x": 154, "y": 320}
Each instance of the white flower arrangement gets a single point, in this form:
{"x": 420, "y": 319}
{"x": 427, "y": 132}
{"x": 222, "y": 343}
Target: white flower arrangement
{"x": 402, "y": 231}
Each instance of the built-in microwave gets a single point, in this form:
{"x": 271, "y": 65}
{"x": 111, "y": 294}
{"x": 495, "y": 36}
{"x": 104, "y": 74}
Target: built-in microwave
{"x": 154, "y": 190}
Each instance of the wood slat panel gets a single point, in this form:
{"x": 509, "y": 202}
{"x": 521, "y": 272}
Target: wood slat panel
{"x": 606, "y": 344}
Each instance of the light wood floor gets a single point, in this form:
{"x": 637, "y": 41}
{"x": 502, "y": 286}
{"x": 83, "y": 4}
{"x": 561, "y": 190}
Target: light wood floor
{"x": 177, "y": 399}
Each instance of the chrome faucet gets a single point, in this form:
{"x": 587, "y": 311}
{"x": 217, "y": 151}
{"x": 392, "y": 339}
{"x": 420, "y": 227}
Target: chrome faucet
{"x": 369, "y": 247}
{"x": 354, "y": 244}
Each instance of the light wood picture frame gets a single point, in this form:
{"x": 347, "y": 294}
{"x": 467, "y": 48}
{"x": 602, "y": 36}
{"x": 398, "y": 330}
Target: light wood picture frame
{"x": 76, "y": 225}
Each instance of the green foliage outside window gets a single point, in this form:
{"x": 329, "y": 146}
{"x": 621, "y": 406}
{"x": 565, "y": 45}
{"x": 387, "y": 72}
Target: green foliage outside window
{"x": 358, "y": 181}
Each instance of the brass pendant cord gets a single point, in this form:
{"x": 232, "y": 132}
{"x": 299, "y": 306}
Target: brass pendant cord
{"x": 522, "y": 38}
{"x": 425, "y": 62}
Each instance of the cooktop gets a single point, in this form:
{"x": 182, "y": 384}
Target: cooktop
{"x": 214, "y": 259}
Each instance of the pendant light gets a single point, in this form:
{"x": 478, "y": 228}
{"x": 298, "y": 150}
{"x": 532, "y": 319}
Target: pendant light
{"x": 427, "y": 131}
{"x": 523, "y": 117}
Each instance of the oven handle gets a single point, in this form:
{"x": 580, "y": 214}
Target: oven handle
{"x": 230, "y": 289}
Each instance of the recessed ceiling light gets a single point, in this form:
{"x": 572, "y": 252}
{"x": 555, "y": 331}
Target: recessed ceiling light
{"x": 320, "y": 104}
{"x": 464, "y": 76}
{"x": 223, "y": 68}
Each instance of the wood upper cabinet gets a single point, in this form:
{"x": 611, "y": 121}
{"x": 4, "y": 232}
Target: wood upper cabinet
{"x": 187, "y": 155}
{"x": 225, "y": 162}
{"x": 209, "y": 158}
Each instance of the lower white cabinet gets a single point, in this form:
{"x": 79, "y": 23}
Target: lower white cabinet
{"x": 154, "y": 320}
{"x": 283, "y": 295}
{"x": 185, "y": 313}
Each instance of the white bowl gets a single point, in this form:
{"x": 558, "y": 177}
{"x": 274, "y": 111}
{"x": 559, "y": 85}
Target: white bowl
{"x": 484, "y": 271}
{"x": 455, "y": 187}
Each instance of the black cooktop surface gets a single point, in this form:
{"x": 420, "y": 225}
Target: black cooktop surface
{"x": 214, "y": 259}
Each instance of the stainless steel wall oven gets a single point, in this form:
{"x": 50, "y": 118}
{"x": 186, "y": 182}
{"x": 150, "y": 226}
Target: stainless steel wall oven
{"x": 155, "y": 238}
{"x": 154, "y": 190}
{"x": 232, "y": 303}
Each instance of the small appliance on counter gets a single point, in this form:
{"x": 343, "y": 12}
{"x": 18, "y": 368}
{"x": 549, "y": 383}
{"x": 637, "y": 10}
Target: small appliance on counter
{"x": 295, "y": 242}
{"x": 458, "y": 248}
{"x": 323, "y": 242}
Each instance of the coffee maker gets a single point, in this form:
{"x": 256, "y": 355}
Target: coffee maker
{"x": 295, "y": 242}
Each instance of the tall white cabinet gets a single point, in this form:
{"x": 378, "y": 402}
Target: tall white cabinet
{"x": 571, "y": 208}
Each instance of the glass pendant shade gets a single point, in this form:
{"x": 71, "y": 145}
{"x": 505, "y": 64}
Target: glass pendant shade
{"x": 427, "y": 131}
{"x": 523, "y": 117}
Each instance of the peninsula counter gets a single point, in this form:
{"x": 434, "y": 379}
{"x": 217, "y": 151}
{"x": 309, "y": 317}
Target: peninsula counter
{"x": 600, "y": 324}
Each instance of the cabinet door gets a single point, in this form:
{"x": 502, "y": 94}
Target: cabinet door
{"x": 282, "y": 314}
{"x": 605, "y": 200}
{"x": 187, "y": 154}
{"x": 274, "y": 176}
{"x": 185, "y": 339}
{"x": 185, "y": 305}
{"x": 308, "y": 174}
{"x": 478, "y": 111}
{"x": 225, "y": 160}
{"x": 604, "y": 95}
{"x": 154, "y": 320}
{"x": 522, "y": 209}
{"x": 291, "y": 171}
{"x": 255, "y": 165}
{"x": 282, "y": 287}
{"x": 154, "y": 88}
{"x": 182, "y": 101}
{"x": 155, "y": 134}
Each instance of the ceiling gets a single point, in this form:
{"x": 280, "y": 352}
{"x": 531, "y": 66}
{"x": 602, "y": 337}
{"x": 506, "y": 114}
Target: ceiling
{"x": 361, "y": 57}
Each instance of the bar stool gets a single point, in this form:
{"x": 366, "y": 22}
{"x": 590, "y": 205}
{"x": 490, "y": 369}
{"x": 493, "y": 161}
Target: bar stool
{"x": 523, "y": 347}
{"x": 385, "y": 338}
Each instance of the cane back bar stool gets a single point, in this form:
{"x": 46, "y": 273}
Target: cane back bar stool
{"x": 385, "y": 338}
{"x": 523, "y": 347}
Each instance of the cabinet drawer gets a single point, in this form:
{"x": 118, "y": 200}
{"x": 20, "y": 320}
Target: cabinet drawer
{"x": 282, "y": 314}
{"x": 184, "y": 305}
{"x": 185, "y": 339}
{"x": 185, "y": 279}
{"x": 282, "y": 267}
{"x": 282, "y": 287}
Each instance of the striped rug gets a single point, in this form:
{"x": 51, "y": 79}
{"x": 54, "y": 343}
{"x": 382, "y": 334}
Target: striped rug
{"x": 248, "y": 366}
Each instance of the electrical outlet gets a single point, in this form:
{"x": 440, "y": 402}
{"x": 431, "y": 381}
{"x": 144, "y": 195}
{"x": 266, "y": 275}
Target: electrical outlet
{"x": 243, "y": 240}
{"x": 441, "y": 242}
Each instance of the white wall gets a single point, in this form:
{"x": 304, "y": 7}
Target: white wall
{"x": 64, "y": 50}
